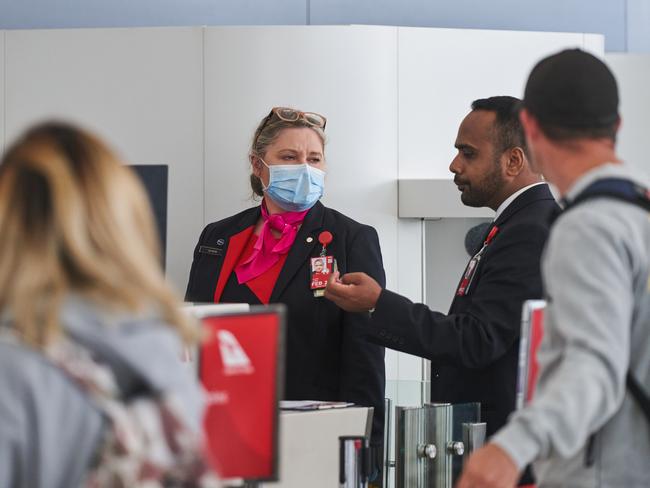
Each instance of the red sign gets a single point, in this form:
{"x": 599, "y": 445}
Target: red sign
{"x": 238, "y": 368}
{"x": 536, "y": 334}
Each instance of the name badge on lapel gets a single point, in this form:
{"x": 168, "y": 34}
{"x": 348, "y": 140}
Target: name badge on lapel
{"x": 212, "y": 251}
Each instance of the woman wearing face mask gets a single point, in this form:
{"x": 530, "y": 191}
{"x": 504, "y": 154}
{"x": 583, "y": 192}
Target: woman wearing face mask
{"x": 269, "y": 253}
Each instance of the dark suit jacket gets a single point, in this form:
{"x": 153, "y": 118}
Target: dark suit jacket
{"x": 474, "y": 348}
{"x": 327, "y": 357}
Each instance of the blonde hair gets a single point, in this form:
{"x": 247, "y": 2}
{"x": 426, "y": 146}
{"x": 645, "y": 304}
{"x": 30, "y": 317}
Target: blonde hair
{"x": 266, "y": 133}
{"x": 73, "y": 219}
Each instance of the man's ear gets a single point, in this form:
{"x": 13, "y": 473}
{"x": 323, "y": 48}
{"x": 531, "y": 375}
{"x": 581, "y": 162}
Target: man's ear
{"x": 516, "y": 161}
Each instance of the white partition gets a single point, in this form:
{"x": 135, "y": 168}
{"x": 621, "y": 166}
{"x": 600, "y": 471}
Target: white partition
{"x": 441, "y": 71}
{"x": 632, "y": 72}
{"x": 595, "y": 44}
{"x": 139, "y": 88}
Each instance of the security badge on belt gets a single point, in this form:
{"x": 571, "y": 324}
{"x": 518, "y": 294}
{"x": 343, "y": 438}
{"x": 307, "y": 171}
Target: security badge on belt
{"x": 470, "y": 271}
{"x": 322, "y": 266}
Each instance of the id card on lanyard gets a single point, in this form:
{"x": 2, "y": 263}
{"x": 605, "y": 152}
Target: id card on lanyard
{"x": 322, "y": 266}
{"x": 472, "y": 266}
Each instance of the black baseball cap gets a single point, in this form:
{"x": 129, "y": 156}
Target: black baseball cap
{"x": 572, "y": 89}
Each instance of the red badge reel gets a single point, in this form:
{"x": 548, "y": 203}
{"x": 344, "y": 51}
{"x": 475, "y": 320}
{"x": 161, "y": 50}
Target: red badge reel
{"x": 322, "y": 266}
{"x": 325, "y": 238}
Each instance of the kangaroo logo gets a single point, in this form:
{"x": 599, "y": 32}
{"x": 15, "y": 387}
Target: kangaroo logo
{"x": 234, "y": 358}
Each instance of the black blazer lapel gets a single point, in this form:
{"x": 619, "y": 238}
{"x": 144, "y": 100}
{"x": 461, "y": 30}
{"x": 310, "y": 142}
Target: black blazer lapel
{"x": 301, "y": 249}
{"x": 248, "y": 219}
{"x": 210, "y": 253}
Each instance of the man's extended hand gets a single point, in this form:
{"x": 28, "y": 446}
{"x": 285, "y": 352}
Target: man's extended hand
{"x": 353, "y": 292}
{"x": 489, "y": 467}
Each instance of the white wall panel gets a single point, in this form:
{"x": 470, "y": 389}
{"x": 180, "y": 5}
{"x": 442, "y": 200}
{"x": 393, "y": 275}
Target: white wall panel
{"x": 632, "y": 72}
{"x": 441, "y": 71}
{"x": 141, "y": 89}
{"x": 594, "y": 43}
{"x": 410, "y": 265}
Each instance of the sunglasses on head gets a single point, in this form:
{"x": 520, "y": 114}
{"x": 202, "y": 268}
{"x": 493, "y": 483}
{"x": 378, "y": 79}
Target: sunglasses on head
{"x": 292, "y": 115}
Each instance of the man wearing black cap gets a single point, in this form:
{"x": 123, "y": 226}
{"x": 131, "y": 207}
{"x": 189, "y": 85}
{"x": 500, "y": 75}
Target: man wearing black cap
{"x": 586, "y": 425}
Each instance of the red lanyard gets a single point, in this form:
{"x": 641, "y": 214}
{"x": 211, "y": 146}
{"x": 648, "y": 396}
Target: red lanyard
{"x": 468, "y": 276}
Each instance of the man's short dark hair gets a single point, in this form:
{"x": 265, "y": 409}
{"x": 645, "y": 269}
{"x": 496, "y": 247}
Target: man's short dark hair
{"x": 509, "y": 131}
{"x": 573, "y": 95}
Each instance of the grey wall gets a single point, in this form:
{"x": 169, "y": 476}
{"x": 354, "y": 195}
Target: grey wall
{"x": 623, "y": 22}
{"x": 445, "y": 256}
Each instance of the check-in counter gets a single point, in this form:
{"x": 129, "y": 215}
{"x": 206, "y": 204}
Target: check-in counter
{"x": 309, "y": 444}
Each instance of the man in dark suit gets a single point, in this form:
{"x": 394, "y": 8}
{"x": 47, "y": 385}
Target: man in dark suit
{"x": 474, "y": 348}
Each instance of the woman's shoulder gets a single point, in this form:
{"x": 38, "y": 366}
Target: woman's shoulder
{"x": 340, "y": 220}
{"x": 234, "y": 223}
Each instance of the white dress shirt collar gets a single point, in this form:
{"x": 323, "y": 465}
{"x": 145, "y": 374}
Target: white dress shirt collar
{"x": 512, "y": 198}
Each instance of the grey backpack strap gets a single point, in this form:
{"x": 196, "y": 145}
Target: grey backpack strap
{"x": 641, "y": 397}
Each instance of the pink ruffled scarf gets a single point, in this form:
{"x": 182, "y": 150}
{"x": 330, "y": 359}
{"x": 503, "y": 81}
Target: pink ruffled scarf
{"x": 267, "y": 250}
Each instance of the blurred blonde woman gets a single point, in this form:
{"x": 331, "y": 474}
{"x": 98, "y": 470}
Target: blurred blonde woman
{"x": 78, "y": 263}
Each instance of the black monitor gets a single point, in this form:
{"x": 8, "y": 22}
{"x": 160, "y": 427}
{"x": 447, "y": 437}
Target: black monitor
{"x": 155, "y": 177}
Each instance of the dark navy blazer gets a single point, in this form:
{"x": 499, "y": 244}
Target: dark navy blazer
{"x": 327, "y": 357}
{"x": 474, "y": 348}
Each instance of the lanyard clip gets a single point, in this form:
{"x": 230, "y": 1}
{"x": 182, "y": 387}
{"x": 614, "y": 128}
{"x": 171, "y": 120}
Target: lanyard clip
{"x": 325, "y": 238}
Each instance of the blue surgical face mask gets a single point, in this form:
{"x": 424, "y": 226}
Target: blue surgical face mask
{"x": 295, "y": 187}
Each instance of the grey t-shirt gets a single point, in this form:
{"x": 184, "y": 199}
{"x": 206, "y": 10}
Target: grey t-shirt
{"x": 595, "y": 269}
